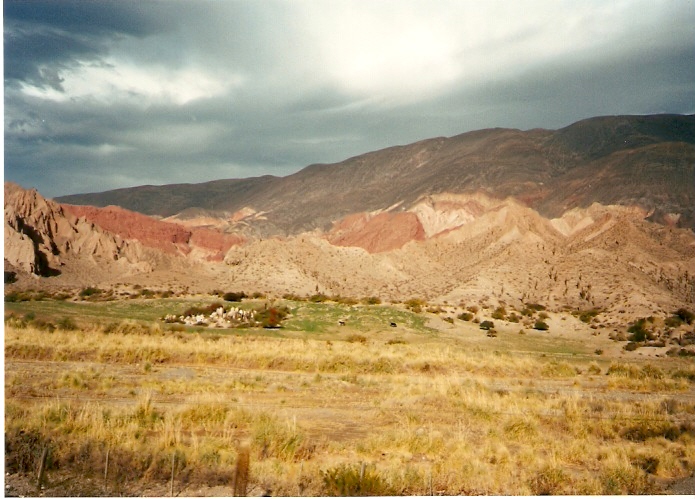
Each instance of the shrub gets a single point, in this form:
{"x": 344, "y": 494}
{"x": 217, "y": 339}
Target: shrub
{"x": 674, "y": 321}
{"x": 622, "y": 479}
{"x": 637, "y": 330}
{"x": 13, "y": 296}
{"x": 587, "y": 315}
{"x": 67, "y": 324}
{"x": 272, "y": 317}
{"x": 465, "y": 316}
{"x": 541, "y": 326}
{"x": 487, "y": 325}
{"x": 234, "y": 297}
{"x": 371, "y": 300}
{"x": 594, "y": 368}
{"x": 415, "y": 304}
{"x": 353, "y": 481}
{"x": 318, "y": 298}
{"x": 500, "y": 313}
{"x": 631, "y": 346}
{"x": 535, "y": 306}
{"x": 685, "y": 315}
{"x": 202, "y": 310}
{"x": 548, "y": 481}
{"x": 90, "y": 291}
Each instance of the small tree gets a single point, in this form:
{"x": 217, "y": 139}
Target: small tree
{"x": 487, "y": 325}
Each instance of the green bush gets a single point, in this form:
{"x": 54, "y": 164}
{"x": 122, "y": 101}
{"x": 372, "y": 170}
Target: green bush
{"x": 371, "y": 300}
{"x": 637, "y": 330}
{"x": 541, "y": 326}
{"x": 234, "y": 297}
{"x": 487, "y": 325}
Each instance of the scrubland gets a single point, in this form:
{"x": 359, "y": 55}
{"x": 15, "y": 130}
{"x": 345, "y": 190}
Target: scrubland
{"x": 120, "y": 406}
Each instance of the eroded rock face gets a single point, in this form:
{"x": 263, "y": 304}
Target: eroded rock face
{"x": 377, "y": 233}
{"x": 171, "y": 238}
{"x": 40, "y": 235}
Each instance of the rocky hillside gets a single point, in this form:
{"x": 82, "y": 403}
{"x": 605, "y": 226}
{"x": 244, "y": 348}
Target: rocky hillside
{"x": 42, "y": 239}
{"x": 643, "y": 161}
{"x": 564, "y": 218}
{"x": 76, "y": 245}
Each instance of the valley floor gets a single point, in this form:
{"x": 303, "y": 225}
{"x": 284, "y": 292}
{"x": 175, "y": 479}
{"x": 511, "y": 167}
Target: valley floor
{"x": 426, "y": 407}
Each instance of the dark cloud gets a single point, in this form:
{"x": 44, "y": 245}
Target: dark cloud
{"x": 101, "y": 95}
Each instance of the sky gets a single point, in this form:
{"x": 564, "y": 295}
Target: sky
{"x": 100, "y": 95}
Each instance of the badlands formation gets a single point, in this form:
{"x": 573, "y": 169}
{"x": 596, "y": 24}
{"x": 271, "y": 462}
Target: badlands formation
{"x": 597, "y": 215}
{"x": 446, "y": 248}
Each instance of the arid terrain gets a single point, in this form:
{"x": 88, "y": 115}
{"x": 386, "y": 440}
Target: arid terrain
{"x": 501, "y": 312}
{"x": 400, "y": 400}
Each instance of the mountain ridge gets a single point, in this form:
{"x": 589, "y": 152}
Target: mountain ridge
{"x": 542, "y": 168}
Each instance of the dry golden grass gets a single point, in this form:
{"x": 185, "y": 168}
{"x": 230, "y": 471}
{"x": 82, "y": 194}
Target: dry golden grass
{"x": 340, "y": 417}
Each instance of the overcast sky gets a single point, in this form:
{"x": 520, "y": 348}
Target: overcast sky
{"x": 107, "y": 94}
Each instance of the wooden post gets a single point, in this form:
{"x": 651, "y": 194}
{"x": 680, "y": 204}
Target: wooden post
{"x": 106, "y": 471}
{"x": 173, "y": 465}
{"x": 241, "y": 473}
{"x": 42, "y": 467}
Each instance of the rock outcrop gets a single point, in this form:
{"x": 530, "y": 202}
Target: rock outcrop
{"x": 171, "y": 238}
{"x": 41, "y": 237}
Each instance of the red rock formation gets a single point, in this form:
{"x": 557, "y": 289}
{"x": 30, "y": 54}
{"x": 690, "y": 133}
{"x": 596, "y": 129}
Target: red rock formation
{"x": 379, "y": 233}
{"x": 215, "y": 241}
{"x": 169, "y": 237}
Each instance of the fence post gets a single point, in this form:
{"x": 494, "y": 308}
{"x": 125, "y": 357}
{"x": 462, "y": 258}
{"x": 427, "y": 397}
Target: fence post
{"x": 106, "y": 471}
{"x": 173, "y": 466}
{"x": 42, "y": 467}
{"x": 241, "y": 473}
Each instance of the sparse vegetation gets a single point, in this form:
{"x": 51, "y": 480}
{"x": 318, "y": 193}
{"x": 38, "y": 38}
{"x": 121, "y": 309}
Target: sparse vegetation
{"x": 481, "y": 415}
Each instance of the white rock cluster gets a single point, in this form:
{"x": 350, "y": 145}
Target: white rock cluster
{"x": 218, "y": 318}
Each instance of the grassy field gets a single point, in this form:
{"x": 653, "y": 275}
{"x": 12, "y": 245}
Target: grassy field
{"x": 123, "y": 403}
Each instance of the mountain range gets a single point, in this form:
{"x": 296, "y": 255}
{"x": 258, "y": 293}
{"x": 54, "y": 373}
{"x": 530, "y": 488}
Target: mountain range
{"x": 644, "y": 161}
{"x": 599, "y": 214}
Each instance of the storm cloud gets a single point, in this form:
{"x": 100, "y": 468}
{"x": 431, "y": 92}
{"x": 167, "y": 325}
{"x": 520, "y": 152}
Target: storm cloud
{"x": 102, "y": 95}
